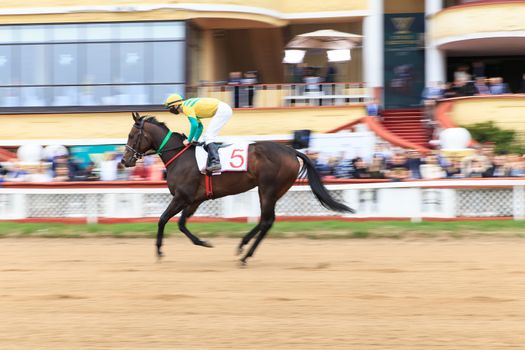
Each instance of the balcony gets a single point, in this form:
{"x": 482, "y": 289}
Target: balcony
{"x": 480, "y": 28}
{"x": 286, "y": 95}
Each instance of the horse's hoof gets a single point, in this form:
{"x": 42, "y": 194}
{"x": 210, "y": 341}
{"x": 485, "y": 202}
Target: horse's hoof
{"x": 240, "y": 250}
{"x": 160, "y": 255}
{"x": 206, "y": 244}
{"x": 243, "y": 263}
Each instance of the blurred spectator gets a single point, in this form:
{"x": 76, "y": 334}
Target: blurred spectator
{"x": 89, "y": 172}
{"x": 377, "y": 168}
{"x": 477, "y": 168}
{"x": 476, "y": 164}
{"x": 433, "y": 92}
{"x": 498, "y": 87}
{"x": 312, "y": 81}
{"x": 320, "y": 165}
{"x": 522, "y": 88}
{"x": 481, "y": 86}
{"x": 461, "y": 75}
{"x": 413, "y": 164}
{"x": 76, "y": 172}
{"x": 498, "y": 168}
{"x": 3, "y": 173}
{"x": 331, "y": 74}
{"x": 360, "y": 169}
{"x": 429, "y": 122}
{"x": 451, "y": 90}
{"x": 516, "y": 165}
{"x": 397, "y": 169}
{"x": 39, "y": 173}
{"x": 250, "y": 79}
{"x": 108, "y": 167}
{"x": 60, "y": 168}
{"x": 16, "y": 173}
{"x": 453, "y": 169}
{"x": 139, "y": 172}
{"x": 332, "y": 163}
{"x": 344, "y": 168}
{"x": 299, "y": 71}
{"x": 235, "y": 80}
{"x": 468, "y": 88}
{"x": 61, "y": 173}
{"x": 373, "y": 108}
{"x": 157, "y": 170}
{"x": 122, "y": 172}
{"x": 431, "y": 169}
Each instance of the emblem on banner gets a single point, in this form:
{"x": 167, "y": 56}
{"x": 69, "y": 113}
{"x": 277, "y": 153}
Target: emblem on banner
{"x": 402, "y": 24}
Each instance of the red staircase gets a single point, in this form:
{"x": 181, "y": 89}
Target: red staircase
{"x": 407, "y": 124}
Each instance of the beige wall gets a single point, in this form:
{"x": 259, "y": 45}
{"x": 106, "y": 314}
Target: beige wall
{"x": 278, "y": 5}
{"x": 281, "y": 8}
{"x": 478, "y": 19}
{"x": 404, "y": 6}
{"x": 117, "y": 125}
{"x": 506, "y": 112}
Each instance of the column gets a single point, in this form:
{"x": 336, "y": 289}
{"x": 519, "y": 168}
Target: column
{"x": 435, "y": 61}
{"x": 373, "y": 48}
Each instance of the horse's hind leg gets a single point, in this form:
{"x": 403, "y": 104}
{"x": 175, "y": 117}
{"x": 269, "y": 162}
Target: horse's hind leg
{"x": 187, "y": 213}
{"x": 267, "y": 219}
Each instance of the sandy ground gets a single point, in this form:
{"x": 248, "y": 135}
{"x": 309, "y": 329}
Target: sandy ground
{"x": 296, "y": 294}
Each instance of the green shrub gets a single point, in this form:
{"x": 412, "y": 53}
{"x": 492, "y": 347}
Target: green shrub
{"x": 505, "y": 140}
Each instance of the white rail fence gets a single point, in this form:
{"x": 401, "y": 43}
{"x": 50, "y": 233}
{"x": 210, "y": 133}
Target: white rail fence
{"x": 446, "y": 199}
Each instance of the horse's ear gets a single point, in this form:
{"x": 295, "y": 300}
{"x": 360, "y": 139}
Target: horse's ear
{"x": 136, "y": 116}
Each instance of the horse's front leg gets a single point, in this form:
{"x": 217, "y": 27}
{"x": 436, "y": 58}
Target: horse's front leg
{"x": 187, "y": 213}
{"x": 173, "y": 208}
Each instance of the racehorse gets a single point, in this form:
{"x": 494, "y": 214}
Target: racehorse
{"x": 272, "y": 167}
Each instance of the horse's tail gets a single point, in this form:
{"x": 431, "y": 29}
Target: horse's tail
{"x": 316, "y": 184}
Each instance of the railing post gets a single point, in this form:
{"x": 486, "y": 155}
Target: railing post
{"x": 92, "y": 208}
{"x": 518, "y": 202}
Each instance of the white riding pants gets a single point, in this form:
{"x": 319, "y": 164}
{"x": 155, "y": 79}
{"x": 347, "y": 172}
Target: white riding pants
{"x": 221, "y": 117}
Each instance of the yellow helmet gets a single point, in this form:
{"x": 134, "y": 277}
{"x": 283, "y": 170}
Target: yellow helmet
{"x": 173, "y": 100}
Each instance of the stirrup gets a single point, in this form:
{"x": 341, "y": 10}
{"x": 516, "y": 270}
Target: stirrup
{"x": 214, "y": 167}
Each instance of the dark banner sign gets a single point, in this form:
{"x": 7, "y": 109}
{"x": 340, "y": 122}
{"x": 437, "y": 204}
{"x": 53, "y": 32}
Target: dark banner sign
{"x": 404, "y": 59}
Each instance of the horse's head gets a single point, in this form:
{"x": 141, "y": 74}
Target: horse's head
{"x": 139, "y": 141}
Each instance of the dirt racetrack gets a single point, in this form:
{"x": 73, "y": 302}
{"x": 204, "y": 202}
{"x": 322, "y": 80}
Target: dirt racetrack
{"x": 295, "y": 294}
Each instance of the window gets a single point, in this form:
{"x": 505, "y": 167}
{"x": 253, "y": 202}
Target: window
{"x": 168, "y": 57}
{"x": 6, "y": 65}
{"x": 92, "y": 64}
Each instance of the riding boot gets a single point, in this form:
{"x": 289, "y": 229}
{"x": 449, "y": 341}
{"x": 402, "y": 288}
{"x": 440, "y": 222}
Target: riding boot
{"x": 214, "y": 163}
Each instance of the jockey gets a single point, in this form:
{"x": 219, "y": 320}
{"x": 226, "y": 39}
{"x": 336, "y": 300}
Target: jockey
{"x": 196, "y": 109}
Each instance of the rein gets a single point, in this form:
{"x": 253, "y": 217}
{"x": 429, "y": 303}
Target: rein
{"x": 177, "y": 155}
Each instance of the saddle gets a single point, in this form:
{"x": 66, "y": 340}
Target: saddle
{"x": 233, "y": 156}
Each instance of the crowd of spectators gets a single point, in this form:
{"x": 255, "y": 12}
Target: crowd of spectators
{"x": 470, "y": 81}
{"x": 398, "y": 165}
{"x": 386, "y": 163}
{"x": 243, "y": 88}
{"x": 65, "y": 168}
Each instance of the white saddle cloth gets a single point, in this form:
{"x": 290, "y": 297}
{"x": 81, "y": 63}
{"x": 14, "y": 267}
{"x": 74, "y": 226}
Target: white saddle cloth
{"x": 234, "y": 157}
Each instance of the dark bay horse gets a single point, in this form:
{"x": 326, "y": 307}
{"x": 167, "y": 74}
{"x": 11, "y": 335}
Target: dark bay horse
{"x": 272, "y": 167}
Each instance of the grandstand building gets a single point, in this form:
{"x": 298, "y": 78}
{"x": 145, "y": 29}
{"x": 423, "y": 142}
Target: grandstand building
{"x": 65, "y": 64}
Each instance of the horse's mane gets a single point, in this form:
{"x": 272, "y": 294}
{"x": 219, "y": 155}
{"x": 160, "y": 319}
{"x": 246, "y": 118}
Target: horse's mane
{"x": 153, "y": 120}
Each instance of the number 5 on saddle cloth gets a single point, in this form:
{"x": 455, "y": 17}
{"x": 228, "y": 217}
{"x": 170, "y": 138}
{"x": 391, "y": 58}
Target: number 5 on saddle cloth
{"x": 234, "y": 157}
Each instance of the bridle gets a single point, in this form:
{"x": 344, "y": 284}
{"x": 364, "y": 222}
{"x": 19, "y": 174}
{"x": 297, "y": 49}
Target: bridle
{"x": 139, "y": 124}
{"x": 136, "y": 154}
